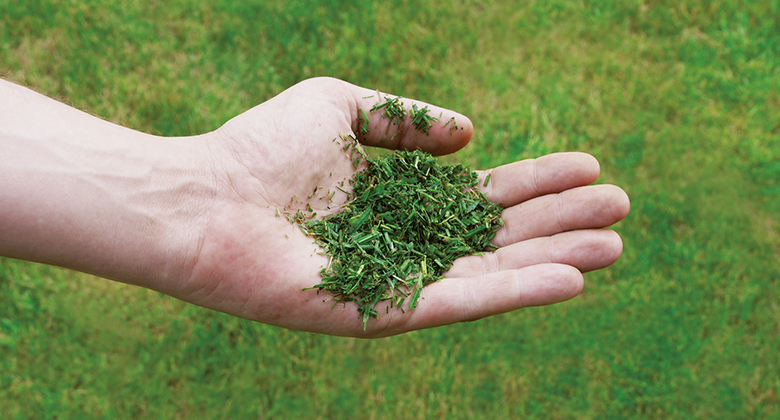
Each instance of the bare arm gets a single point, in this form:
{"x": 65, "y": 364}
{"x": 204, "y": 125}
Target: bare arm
{"x": 195, "y": 217}
{"x": 83, "y": 193}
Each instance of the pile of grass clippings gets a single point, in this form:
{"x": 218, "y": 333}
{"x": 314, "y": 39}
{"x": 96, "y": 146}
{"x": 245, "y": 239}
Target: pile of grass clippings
{"x": 408, "y": 219}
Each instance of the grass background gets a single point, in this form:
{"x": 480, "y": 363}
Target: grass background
{"x": 679, "y": 100}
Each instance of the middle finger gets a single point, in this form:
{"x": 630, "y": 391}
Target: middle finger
{"x": 589, "y": 207}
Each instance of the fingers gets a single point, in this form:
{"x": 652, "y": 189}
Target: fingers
{"x": 453, "y": 300}
{"x": 586, "y": 250}
{"x": 537, "y": 272}
{"x": 589, "y": 207}
{"x": 520, "y": 181}
{"x": 392, "y": 125}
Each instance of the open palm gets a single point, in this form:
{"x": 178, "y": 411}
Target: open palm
{"x": 285, "y": 155}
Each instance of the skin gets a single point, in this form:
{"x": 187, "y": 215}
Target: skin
{"x": 196, "y": 217}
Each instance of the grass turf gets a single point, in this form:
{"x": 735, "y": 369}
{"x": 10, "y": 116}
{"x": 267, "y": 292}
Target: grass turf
{"x": 678, "y": 100}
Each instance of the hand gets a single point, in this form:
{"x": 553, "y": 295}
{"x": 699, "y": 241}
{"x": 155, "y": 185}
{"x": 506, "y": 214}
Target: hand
{"x": 247, "y": 261}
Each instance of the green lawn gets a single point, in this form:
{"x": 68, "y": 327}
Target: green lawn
{"x": 679, "y": 101}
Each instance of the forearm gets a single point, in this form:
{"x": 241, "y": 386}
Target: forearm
{"x": 86, "y": 194}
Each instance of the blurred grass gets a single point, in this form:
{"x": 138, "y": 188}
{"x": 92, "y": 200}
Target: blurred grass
{"x": 678, "y": 100}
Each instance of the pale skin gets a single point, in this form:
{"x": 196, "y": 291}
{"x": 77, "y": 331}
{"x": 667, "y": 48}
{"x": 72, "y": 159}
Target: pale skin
{"x": 196, "y": 217}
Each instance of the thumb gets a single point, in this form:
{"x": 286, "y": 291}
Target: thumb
{"x": 388, "y": 121}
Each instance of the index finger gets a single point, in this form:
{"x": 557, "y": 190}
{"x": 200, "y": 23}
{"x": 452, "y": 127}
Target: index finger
{"x": 517, "y": 182}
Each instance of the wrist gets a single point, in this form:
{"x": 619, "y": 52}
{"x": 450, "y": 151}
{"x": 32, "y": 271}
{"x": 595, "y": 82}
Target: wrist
{"x": 163, "y": 197}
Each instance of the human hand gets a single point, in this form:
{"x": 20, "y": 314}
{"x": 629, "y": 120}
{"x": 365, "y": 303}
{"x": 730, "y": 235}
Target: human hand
{"x": 196, "y": 217}
{"x": 252, "y": 263}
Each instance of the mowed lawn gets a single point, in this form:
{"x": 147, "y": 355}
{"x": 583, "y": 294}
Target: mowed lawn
{"x": 679, "y": 101}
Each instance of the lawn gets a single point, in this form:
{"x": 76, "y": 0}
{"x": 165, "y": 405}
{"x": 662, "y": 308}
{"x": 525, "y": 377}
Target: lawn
{"x": 679, "y": 101}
